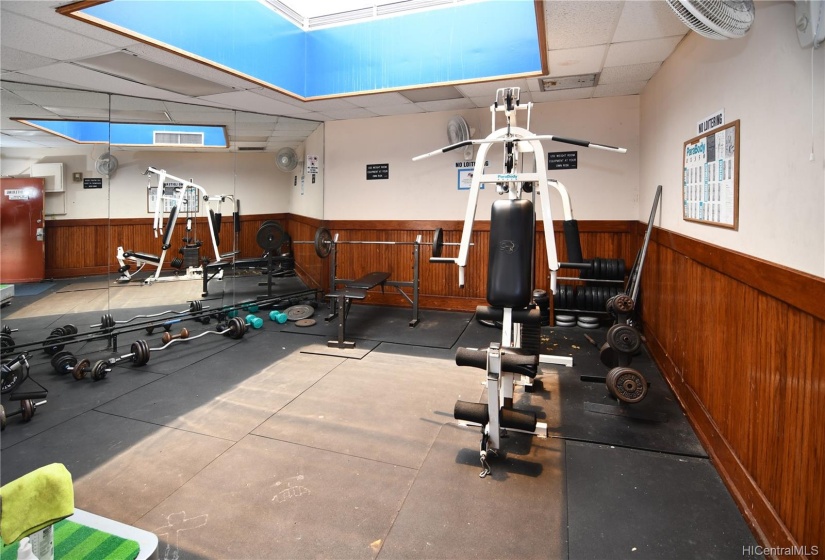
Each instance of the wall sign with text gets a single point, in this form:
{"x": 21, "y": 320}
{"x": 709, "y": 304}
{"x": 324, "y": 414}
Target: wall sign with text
{"x": 710, "y": 181}
{"x": 378, "y": 171}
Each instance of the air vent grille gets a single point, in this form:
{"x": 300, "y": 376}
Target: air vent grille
{"x": 178, "y": 138}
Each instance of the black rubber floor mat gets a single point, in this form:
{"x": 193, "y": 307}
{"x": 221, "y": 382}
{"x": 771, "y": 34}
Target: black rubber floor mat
{"x": 626, "y": 503}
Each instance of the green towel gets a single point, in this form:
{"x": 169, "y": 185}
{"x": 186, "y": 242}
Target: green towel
{"x": 73, "y": 541}
{"x": 34, "y": 501}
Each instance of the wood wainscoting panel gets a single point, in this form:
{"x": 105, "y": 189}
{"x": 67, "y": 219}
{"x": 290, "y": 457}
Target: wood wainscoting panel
{"x": 749, "y": 368}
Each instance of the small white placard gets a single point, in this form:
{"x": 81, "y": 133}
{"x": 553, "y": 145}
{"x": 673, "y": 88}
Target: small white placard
{"x": 312, "y": 164}
{"x": 711, "y": 121}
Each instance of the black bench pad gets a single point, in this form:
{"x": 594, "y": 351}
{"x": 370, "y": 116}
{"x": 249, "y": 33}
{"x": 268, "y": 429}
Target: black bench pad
{"x": 142, "y": 256}
{"x": 370, "y": 280}
{"x": 348, "y": 293}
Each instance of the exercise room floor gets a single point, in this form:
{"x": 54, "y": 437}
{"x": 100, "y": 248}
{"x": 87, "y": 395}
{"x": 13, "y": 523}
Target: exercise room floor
{"x": 274, "y": 446}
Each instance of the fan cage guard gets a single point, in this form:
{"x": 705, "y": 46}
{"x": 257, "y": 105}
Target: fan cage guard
{"x": 715, "y": 19}
{"x": 287, "y": 159}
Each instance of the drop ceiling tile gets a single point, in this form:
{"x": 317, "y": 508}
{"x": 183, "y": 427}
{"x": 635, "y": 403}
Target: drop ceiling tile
{"x": 389, "y": 110}
{"x": 192, "y": 67}
{"x": 632, "y": 73}
{"x": 572, "y": 62}
{"x": 580, "y": 23}
{"x": 44, "y": 12}
{"x": 354, "y": 113}
{"x": 63, "y": 98}
{"x": 83, "y": 77}
{"x": 563, "y": 95}
{"x": 488, "y": 89}
{"x": 13, "y": 59}
{"x": 639, "y": 52}
{"x": 378, "y": 99}
{"x": 614, "y": 90}
{"x": 328, "y": 105}
{"x": 446, "y": 105}
{"x": 645, "y": 19}
{"x": 48, "y": 41}
{"x": 249, "y": 101}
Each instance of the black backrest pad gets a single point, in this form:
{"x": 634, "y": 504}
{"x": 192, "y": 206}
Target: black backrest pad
{"x": 511, "y": 253}
{"x": 170, "y": 227}
{"x": 216, "y": 225}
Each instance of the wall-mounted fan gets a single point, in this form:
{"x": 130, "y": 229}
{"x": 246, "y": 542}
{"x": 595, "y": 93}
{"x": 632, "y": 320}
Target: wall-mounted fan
{"x": 458, "y": 131}
{"x": 106, "y": 164}
{"x": 287, "y": 159}
{"x": 715, "y": 19}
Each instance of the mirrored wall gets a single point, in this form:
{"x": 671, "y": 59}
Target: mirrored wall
{"x": 108, "y": 211}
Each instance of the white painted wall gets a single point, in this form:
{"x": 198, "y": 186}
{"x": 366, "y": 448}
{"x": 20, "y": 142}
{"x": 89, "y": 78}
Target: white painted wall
{"x": 306, "y": 197}
{"x": 605, "y": 185}
{"x": 765, "y": 80}
{"x": 252, "y": 177}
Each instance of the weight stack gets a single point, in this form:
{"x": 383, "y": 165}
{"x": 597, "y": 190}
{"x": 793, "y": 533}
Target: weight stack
{"x": 542, "y": 300}
{"x": 191, "y": 256}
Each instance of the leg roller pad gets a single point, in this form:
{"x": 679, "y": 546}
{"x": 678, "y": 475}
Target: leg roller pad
{"x": 472, "y": 412}
{"x": 518, "y": 420}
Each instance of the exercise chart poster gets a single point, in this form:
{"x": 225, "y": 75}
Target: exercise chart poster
{"x": 711, "y": 177}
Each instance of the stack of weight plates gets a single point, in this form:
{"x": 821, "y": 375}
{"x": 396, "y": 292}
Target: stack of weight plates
{"x": 565, "y": 321}
{"x": 587, "y": 322}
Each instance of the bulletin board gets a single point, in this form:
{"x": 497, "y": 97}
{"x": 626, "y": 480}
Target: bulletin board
{"x": 711, "y": 177}
{"x": 190, "y": 203}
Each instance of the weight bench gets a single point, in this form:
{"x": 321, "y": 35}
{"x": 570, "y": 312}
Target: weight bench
{"x": 342, "y": 300}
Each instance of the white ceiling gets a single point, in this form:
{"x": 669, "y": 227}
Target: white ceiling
{"x": 625, "y": 41}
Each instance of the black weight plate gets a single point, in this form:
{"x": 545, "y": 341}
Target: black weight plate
{"x": 323, "y": 242}
{"x": 99, "y": 370}
{"x": 581, "y": 298}
{"x": 557, "y": 298}
{"x": 624, "y": 339}
{"x": 626, "y": 384}
{"x": 438, "y": 242}
{"x": 69, "y": 329}
{"x": 6, "y": 344}
{"x": 2, "y": 418}
{"x": 51, "y": 347}
{"x": 622, "y": 269}
{"x": 298, "y": 312}
{"x": 571, "y": 297}
{"x": 237, "y": 328}
{"x": 270, "y": 235}
{"x": 64, "y": 362}
{"x": 597, "y": 268}
{"x": 11, "y": 378}
{"x": 26, "y": 409}
{"x": 195, "y": 306}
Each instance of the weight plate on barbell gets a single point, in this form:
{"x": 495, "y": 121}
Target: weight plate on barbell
{"x": 6, "y": 344}
{"x": 270, "y": 235}
{"x": 27, "y": 409}
{"x": 99, "y": 370}
{"x": 63, "y": 362}
{"x": 304, "y": 322}
{"x": 80, "y": 369}
{"x": 195, "y": 306}
{"x": 323, "y": 242}
{"x": 298, "y": 312}
{"x": 11, "y": 378}
{"x": 2, "y": 418}
{"x": 438, "y": 242}
{"x": 623, "y": 303}
{"x": 626, "y": 384}
{"x": 237, "y": 328}
{"x": 624, "y": 339}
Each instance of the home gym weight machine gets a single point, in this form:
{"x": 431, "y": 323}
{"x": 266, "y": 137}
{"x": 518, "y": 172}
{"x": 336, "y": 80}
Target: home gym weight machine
{"x": 178, "y": 200}
{"x": 510, "y": 274}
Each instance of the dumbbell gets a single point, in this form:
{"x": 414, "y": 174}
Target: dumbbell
{"x": 64, "y": 362}
{"x": 84, "y": 367}
{"x": 56, "y": 340}
{"x": 255, "y": 321}
{"x": 278, "y": 316}
{"x": 169, "y": 337}
{"x": 26, "y": 411}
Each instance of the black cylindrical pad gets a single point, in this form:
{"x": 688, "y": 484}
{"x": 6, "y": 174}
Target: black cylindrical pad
{"x": 471, "y": 412}
{"x": 518, "y": 419}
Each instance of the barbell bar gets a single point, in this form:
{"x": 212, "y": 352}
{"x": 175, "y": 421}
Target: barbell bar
{"x": 324, "y": 242}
